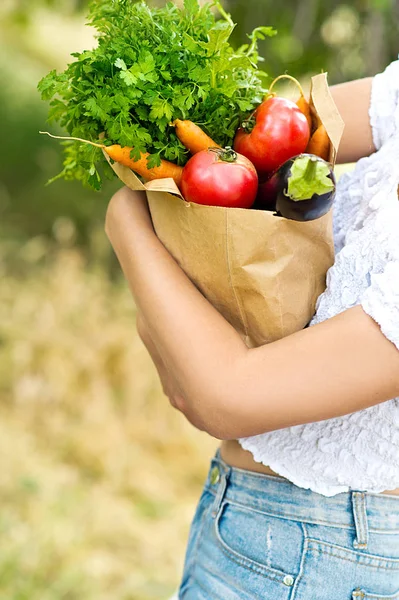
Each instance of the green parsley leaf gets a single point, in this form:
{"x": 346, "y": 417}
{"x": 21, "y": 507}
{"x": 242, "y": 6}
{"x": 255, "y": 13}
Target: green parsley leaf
{"x": 120, "y": 64}
{"x": 48, "y": 85}
{"x": 161, "y": 108}
{"x": 191, "y": 6}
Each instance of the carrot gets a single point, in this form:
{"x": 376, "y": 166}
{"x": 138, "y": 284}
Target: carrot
{"x": 302, "y": 103}
{"x": 319, "y": 143}
{"x": 122, "y": 155}
{"x": 304, "y": 107}
{"x": 193, "y": 137}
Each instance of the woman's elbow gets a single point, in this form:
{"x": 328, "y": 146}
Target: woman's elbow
{"x": 230, "y": 425}
{"x": 206, "y": 417}
{"x": 220, "y": 415}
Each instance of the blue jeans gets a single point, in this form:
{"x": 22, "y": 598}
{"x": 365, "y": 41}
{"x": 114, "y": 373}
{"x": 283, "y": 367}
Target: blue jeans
{"x": 256, "y": 536}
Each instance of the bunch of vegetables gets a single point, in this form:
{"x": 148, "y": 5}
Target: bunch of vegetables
{"x": 152, "y": 66}
{"x": 269, "y": 148}
{"x": 164, "y": 84}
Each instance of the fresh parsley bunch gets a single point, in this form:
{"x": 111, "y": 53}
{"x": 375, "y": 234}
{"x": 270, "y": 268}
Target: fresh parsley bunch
{"x": 151, "y": 66}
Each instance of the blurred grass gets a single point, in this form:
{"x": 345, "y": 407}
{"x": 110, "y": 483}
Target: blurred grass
{"x": 98, "y": 475}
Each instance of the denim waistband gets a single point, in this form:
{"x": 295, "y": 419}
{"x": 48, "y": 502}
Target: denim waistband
{"x": 363, "y": 511}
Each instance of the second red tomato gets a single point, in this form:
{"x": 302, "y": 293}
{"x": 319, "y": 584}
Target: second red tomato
{"x": 276, "y": 132}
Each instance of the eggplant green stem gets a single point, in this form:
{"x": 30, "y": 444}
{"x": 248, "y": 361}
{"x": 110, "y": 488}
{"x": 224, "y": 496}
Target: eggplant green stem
{"x": 309, "y": 176}
{"x": 310, "y": 170}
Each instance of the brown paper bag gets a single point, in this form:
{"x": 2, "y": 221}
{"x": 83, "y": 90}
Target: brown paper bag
{"x": 263, "y": 273}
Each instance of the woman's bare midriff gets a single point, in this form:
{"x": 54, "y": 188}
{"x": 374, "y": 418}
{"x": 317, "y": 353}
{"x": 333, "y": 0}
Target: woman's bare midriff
{"x": 233, "y": 454}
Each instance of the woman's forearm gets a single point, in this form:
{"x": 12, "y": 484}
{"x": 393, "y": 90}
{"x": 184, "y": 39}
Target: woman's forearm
{"x": 197, "y": 345}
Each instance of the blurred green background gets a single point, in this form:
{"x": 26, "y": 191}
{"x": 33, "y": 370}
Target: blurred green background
{"x": 98, "y": 476}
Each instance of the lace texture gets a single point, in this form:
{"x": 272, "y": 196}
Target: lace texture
{"x": 359, "y": 451}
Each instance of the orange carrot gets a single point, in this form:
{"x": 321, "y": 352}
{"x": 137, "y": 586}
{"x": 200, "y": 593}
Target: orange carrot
{"x": 304, "y": 107}
{"x": 193, "y": 137}
{"x": 319, "y": 143}
{"x": 122, "y": 155}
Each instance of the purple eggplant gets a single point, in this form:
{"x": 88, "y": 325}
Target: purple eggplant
{"x": 305, "y": 188}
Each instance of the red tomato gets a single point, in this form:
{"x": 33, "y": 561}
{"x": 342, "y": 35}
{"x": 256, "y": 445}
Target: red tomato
{"x": 280, "y": 132}
{"x": 220, "y": 177}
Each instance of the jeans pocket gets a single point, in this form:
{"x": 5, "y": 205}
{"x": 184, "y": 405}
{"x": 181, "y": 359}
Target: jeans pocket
{"x": 261, "y": 542}
{"x": 360, "y": 594}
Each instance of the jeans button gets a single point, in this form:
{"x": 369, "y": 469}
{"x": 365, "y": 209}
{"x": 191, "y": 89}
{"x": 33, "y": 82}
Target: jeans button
{"x": 215, "y": 476}
{"x": 288, "y": 580}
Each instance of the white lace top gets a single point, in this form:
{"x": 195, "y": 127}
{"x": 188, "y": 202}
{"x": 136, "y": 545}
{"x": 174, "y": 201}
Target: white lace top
{"x": 359, "y": 451}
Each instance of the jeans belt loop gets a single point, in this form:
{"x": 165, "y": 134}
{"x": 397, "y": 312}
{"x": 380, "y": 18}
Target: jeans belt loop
{"x": 360, "y": 518}
{"x": 221, "y": 490}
